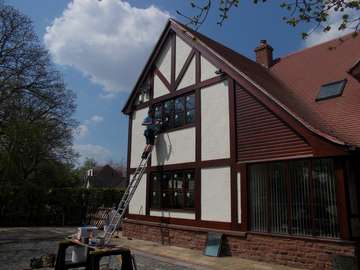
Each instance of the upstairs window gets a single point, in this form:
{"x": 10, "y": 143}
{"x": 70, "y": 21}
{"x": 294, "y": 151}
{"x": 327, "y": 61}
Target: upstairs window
{"x": 173, "y": 190}
{"x": 331, "y": 90}
{"x": 176, "y": 112}
{"x": 144, "y": 92}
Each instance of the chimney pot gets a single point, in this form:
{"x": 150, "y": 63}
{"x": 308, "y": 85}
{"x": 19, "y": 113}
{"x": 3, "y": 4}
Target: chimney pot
{"x": 264, "y": 54}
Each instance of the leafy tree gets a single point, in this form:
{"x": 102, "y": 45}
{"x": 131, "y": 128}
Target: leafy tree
{"x": 316, "y": 12}
{"x": 36, "y": 107}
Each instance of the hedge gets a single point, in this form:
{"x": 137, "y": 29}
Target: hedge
{"x": 34, "y": 206}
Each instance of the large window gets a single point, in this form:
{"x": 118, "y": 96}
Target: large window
{"x": 295, "y": 197}
{"x": 176, "y": 112}
{"x": 173, "y": 190}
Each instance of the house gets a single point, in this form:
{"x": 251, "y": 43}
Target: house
{"x": 105, "y": 177}
{"x": 265, "y": 152}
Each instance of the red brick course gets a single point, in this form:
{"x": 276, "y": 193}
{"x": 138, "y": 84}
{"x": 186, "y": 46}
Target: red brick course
{"x": 300, "y": 253}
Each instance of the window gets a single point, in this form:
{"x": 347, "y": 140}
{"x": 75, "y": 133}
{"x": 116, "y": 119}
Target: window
{"x": 144, "y": 92}
{"x": 176, "y": 112}
{"x": 331, "y": 90}
{"x": 295, "y": 197}
{"x": 173, "y": 190}
{"x": 355, "y": 70}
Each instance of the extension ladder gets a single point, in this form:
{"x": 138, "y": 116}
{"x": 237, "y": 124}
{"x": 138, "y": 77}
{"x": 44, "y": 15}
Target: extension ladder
{"x": 119, "y": 213}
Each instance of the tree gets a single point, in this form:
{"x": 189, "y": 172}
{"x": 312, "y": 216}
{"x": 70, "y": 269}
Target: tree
{"x": 316, "y": 12}
{"x": 36, "y": 107}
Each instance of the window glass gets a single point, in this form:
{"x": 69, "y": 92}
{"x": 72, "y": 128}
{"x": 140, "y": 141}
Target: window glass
{"x": 190, "y": 116}
{"x": 179, "y": 119}
{"x": 326, "y": 222}
{"x": 168, "y": 114}
{"x": 304, "y": 188}
{"x": 190, "y": 192}
{"x": 190, "y": 102}
{"x": 299, "y": 173}
{"x": 156, "y": 191}
{"x": 180, "y": 104}
{"x": 278, "y": 198}
{"x": 259, "y": 198}
{"x": 176, "y": 112}
{"x": 176, "y": 190}
{"x": 331, "y": 90}
{"x": 158, "y": 112}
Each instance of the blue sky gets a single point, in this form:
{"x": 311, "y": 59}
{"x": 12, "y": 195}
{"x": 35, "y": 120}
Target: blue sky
{"x": 100, "y": 46}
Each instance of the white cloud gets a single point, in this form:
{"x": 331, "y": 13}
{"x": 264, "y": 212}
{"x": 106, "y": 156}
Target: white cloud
{"x": 109, "y": 40}
{"x": 107, "y": 96}
{"x": 97, "y": 119}
{"x": 97, "y": 152}
{"x": 334, "y": 20}
{"x": 81, "y": 131}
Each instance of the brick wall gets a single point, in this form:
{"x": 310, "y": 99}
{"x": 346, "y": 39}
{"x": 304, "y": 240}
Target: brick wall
{"x": 301, "y": 253}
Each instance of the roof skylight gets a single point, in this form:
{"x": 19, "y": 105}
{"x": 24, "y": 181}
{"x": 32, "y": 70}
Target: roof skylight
{"x": 331, "y": 90}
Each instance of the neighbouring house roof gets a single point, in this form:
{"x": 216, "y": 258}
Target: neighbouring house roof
{"x": 106, "y": 176}
{"x": 294, "y": 81}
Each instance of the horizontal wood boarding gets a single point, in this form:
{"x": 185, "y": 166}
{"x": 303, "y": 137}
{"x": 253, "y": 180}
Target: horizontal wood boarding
{"x": 261, "y": 135}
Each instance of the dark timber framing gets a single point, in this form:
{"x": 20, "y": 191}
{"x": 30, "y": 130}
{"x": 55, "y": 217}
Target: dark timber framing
{"x": 322, "y": 146}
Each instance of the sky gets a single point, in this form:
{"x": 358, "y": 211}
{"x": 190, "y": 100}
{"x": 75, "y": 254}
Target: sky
{"x": 100, "y": 46}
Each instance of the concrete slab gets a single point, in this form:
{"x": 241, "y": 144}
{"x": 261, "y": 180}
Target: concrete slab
{"x": 195, "y": 258}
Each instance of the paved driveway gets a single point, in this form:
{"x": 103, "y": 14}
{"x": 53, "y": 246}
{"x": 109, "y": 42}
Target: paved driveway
{"x": 19, "y": 245}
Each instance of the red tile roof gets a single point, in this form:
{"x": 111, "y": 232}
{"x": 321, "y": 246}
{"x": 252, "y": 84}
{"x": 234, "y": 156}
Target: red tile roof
{"x": 305, "y": 71}
{"x": 295, "y": 81}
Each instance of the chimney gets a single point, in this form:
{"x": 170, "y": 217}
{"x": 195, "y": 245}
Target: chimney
{"x": 264, "y": 54}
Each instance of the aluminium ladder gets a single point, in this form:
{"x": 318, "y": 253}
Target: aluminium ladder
{"x": 118, "y": 214}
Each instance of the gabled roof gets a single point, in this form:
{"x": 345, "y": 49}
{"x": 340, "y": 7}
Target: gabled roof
{"x": 293, "y": 83}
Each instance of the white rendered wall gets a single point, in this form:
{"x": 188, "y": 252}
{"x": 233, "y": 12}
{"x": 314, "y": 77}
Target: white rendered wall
{"x": 137, "y": 204}
{"x": 239, "y": 196}
{"x": 215, "y": 194}
{"x": 164, "y": 61}
{"x": 159, "y": 88}
{"x": 182, "y": 52}
{"x": 215, "y": 133}
{"x": 189, "y": 76}
{"x": 174, "y": 147}
{"x": 137, "y": 137}
{"x": 171, "y": 214}
{"x": 207, "y": 69}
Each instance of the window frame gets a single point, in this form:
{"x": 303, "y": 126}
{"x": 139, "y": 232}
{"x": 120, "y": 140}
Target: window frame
{"x": 168, "y": 203}
{"x": 343, "y": 84}
{"x": 173, "y": 112}
{"x": 289, "y": 184}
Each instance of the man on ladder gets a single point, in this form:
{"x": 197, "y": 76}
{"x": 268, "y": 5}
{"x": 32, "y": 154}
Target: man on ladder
{"x": 153, "y": 127}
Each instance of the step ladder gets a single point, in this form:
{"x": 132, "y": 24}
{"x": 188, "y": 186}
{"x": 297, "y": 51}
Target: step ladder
{"x": 118, "y": 214}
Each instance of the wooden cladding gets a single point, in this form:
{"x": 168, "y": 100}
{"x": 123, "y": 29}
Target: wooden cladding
{"x": 261, "y": 135}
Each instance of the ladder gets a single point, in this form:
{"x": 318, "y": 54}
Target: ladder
{"x": 119, "y": 213}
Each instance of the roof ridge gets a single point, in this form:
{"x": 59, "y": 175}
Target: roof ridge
{"x": 314, "y": 46}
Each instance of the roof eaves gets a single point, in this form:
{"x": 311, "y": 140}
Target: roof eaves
{"x": 146, "y": 66}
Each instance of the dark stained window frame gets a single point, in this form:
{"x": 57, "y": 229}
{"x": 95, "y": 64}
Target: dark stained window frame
{"x": 289, "y": 185}
{"x": 167, "y": 203}
{"x": 341, "y": 90}
{"x": 172, "y": 126}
